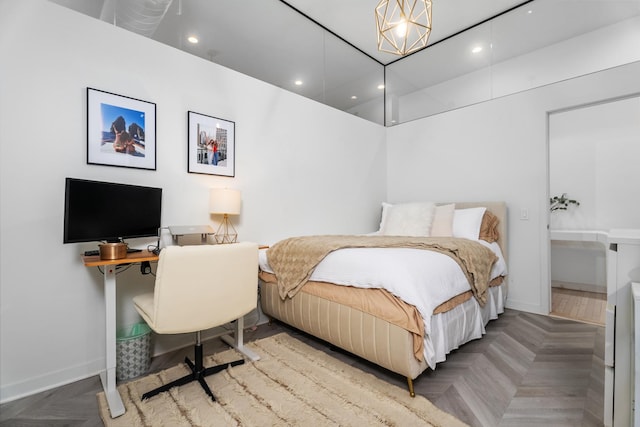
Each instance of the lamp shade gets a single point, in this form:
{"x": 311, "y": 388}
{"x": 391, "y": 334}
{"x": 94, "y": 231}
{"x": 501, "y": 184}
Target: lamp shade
{"x": 224, "y": 201}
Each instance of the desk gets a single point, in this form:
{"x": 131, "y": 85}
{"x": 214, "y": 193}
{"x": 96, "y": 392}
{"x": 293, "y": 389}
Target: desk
{"x": 108, "y": 377}
{"x": 581, "y": 236}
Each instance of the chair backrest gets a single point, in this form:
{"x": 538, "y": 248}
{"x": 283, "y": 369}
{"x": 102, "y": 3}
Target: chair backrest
{"x": 203, "y": 286}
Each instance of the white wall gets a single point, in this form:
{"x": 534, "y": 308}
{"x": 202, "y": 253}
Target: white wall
{"x": 497, "y": 150}
{"x": 302, "y": 167}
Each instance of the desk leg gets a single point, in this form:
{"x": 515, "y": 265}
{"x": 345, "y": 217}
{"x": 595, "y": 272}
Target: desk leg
{"x": 238, "y": 343}
{"x": 108, "y": 377}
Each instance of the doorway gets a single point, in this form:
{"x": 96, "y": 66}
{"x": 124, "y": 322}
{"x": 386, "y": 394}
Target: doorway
{"x": 594, "y": 159}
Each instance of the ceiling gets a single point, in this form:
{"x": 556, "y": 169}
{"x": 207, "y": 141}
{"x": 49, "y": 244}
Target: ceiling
{"x": 330, "y": 45}
{"x": 351, "y": 20}
{"x": 354, "y": 20}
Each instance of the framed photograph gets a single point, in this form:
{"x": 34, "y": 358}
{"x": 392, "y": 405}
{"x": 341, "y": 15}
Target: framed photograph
{"x": 212, "y": 145}
{"x": 121, "y": 131}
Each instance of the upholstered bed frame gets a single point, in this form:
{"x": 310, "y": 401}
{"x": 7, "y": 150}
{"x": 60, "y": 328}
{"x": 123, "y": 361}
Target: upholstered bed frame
{"x": 356, "y": 331}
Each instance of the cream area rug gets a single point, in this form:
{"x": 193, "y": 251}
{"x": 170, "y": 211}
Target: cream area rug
{"x": 292, "y": 384}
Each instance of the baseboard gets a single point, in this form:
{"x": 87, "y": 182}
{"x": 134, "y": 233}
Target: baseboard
{"x": 584, "y": 287}
{"x": 51, "y": 380}
{"x": 529, "y": 308}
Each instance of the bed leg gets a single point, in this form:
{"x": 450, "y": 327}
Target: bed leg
{"x": 410, "y": 384}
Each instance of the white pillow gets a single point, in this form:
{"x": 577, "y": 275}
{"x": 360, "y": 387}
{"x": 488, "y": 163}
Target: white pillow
{"x": 467, "y": 222}
{"x": 383, "y": 217}
{"x": 442, "y": 225}
{"x": 408, "y": 219}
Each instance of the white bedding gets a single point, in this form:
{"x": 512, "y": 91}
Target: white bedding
{"x": 421, "y": 278}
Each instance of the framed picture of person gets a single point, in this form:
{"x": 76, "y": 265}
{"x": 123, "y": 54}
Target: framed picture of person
{"x": 121, "y": 131}
{"x": 211, "y": 145}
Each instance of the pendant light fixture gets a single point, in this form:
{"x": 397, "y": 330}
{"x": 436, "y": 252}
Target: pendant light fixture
{"x": 403, "y": 25}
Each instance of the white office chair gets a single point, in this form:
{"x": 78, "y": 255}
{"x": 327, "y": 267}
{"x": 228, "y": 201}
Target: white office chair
{"x": 197, "y": 288}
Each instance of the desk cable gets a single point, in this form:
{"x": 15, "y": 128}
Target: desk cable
{"x": 156, "y": 249}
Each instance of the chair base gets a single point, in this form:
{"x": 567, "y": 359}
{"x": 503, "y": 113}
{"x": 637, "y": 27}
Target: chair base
{"x": 198, "y": 373}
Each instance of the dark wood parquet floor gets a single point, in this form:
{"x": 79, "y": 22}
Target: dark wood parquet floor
{"x": 528, "y": 370}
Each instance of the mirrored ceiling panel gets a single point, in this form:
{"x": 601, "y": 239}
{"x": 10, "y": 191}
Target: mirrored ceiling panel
{"x": 439, "y": 78}
{"x": 265, "y": 39}
{"x": 530, "y": 44}
{"x": 536, "y": 44}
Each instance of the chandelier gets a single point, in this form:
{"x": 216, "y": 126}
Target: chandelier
{"x": 403, "y": 26}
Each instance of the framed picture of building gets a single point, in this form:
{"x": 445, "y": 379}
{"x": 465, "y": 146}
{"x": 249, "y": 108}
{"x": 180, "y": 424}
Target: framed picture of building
{"x": 211, "y": 145}
{"x": 121, "y": 131}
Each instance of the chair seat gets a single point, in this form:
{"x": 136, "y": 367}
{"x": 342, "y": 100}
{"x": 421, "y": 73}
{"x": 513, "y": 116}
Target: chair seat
{"x": 144, "y": 304}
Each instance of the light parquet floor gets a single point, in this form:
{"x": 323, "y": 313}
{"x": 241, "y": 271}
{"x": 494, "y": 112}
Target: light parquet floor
{"x": 579, "y": 305}
{"x": 528, "y": 370}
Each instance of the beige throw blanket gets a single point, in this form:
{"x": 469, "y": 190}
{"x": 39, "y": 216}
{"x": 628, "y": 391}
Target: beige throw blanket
{"x": 293, "y": 260}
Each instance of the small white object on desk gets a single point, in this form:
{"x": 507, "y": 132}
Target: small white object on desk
{"x": 180, "y": 231}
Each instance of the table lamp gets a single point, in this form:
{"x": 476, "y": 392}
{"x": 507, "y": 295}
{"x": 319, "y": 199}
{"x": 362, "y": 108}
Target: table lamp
{"x": 225, "y": 201}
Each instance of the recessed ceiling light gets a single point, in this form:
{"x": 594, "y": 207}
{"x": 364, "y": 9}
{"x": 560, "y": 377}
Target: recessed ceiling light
{"x": 476, "y": 49}
{"x": 529, "y": 11}
{"x": 380, "y": 86}
{"x": 354, "y": 97}
{"x": 192, "y": 39}
{"x": 298, "y": 82}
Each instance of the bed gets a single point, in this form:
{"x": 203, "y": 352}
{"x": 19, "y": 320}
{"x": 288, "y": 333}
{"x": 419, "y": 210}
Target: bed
{"x": 401, "y": 302}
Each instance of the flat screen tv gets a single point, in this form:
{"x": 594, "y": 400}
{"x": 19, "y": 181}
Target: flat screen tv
{"x": 111, "y": 212}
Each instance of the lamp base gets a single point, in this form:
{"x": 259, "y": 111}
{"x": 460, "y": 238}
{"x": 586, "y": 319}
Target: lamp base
{"x": 223, "y": 235}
